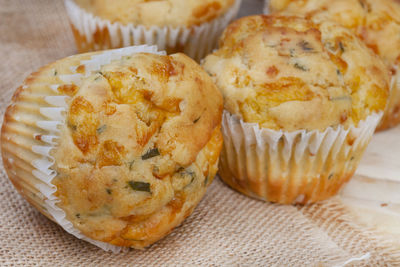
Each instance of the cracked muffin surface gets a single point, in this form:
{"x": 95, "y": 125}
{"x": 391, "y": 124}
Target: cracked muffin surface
{"x": 139, "y": 148}
{"x": 290, "y": 73}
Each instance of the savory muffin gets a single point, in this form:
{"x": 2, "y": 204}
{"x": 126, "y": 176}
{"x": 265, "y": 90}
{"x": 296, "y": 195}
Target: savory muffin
{"x": 301, "y": 99}
{"x": 135, "y": 149}
{"x": 173, "y": 13}
{"x": 189, "y": 26}
{"x": 377, "y": 23}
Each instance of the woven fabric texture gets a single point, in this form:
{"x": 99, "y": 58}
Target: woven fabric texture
{"x": 226, "y": 229}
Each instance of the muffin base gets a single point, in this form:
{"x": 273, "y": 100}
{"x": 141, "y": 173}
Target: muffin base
{"x": 93, "y": 33}
{"x": 291, "y": 167}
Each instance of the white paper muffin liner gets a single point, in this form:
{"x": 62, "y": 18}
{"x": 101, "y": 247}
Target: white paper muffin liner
{"x": 266, "y": 7}
{"x": 30, "y": 164}
{"x": 196, "y": 41}
{"x": 291, "y": 167}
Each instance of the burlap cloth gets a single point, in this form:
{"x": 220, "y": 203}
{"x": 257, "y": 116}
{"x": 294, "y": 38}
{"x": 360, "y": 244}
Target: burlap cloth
{"x": 226, "y": 229}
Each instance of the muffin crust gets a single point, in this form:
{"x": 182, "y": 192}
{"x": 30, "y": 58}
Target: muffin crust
{"x": 377, "y": 23}
{"x": 289, "y": 73}
{"x": 173, "y": 13}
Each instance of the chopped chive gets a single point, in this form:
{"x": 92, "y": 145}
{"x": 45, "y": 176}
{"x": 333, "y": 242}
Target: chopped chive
{"x": 338, "y": 72}
{"x": 73, "y": 127}
{"x": 291, "y": 52}
{"x": 196, "y": 120}
{"x": 352, "y": 158}
{"x": 184, "y": 172}
{"x": 362, "y": 3}
{"x": 301, "y": 67}
{"x": 131, "y": 164}
{"x": 154, "y": 152}
{"x": 78, "y": 215}
{"x": 139, "y": 186}
{"x": 180, "y": 169}
{"x": 305, "y": 46}
{"x": 341, "y": 46}
{"x": 101, "y": 129}
{"x": 330, "y": 176}
{"x": 108, "y": 191}
{"x": 55, "y": 72}
{"x": 206, "y": 181}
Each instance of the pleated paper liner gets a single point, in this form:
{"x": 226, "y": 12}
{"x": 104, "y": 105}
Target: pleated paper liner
{"x": 32, "y": 130}
{"x": 291, "y": 167}
{"x": 93, "y": 33}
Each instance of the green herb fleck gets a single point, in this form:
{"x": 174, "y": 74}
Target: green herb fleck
{"x": 78, "y": 215}
{"x": 300, "y": 67}
{"x": 101, "y": 129}
{"x": 341, "y": 46}
{"x": 291, "y": 51}
{"x": 206, "y": 181}
{"x": 70, "y": 125}
{"x": 362, "y": 3}
{"x": 196, "y": 120}
{"x": 180, "y": 169}
{"x": 330, "y": 176}
{"x": 108, "y": 190}
{"x": 187, "y": 172}
{"x": 55, "y": 72}
{"x": 131, "y": 164}
{"x": 97, "y": 78}
{"x": 183, "y": 173}
{"x": 352, "y": 158}
{"x": 338, "y": 72}
{"x": 154, "y": 152}
{"x": 305, "y": 46}
{"x": 140, "y": 186}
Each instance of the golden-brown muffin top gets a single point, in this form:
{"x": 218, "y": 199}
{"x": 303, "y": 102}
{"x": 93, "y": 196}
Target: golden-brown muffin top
{"x": 175, "y": 13}
{"x": 289, "y": 73}
{"x": 376, "y": 22}
{"x": 141, "y": 138}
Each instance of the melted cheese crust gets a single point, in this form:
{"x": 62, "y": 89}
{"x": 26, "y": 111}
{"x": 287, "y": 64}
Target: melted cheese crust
{"x": 289, "y": 73}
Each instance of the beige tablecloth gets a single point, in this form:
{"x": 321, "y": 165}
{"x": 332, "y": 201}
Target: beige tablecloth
{"x": 226, "y": 229}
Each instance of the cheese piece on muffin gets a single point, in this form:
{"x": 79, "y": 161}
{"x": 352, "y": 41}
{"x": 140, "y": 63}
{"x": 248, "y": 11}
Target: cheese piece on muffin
{"x": 138, "y": 148}
{"x": 289, "y": 73}
{"x": 377, "y": 23}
